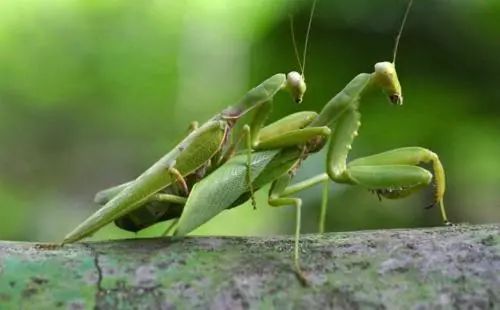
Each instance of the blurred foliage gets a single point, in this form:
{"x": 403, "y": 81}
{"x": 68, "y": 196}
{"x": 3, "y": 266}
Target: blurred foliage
{"x": 93, "y": 92}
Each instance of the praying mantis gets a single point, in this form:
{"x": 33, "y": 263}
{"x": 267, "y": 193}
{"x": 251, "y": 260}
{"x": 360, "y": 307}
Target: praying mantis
{"x": 210, "y": 180}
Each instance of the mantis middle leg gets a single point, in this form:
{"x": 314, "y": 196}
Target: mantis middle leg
{"x": 279, "y": 195}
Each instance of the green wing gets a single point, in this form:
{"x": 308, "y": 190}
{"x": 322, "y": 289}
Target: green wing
{"x": 220, "y": 190}
{"x": 227, "y": 186}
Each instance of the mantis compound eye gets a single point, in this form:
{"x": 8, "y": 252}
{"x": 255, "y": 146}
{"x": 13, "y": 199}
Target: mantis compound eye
{"x": 396, "y": 99}
{"x": 296, "y": 85}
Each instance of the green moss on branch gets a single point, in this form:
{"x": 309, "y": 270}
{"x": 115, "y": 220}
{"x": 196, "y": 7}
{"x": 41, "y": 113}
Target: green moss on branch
{"x": 432, "y": 267}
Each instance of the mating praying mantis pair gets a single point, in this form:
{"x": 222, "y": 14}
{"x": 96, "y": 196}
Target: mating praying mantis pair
{"x": 204, "y": 174}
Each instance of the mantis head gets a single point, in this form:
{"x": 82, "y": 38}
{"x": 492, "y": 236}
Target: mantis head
{"x": 296, "y": 85}
{"x": 385, "y": 77}
{"x": 296, "y": 82}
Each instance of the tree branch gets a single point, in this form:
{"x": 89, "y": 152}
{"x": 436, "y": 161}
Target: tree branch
{"x": 423, "y": 268}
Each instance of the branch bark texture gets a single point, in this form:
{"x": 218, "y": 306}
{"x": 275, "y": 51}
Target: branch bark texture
{"x": 452, "y": 267}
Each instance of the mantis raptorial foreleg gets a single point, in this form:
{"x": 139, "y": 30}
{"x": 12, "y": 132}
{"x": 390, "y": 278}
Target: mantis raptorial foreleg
{"x": 398, "y": 175}
{"x": 391, "y": 174}
{"x": 286, "y": 132}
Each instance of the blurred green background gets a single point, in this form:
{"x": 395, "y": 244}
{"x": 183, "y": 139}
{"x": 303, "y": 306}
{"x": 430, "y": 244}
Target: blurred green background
{"x": 93, "y": 92}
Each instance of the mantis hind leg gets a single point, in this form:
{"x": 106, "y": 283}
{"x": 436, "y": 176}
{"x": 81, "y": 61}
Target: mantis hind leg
{"x": 324, "y": 205}
{"x": 395, "y": 174}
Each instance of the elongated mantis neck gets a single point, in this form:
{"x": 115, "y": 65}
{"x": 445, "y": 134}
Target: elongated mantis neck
{"x": 347, "y": 97}
{"x": 293, "y": 82}
{"x": 384, "y": 77}
{"x": 256, "y": 97}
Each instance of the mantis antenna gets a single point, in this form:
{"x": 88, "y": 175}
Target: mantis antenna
{"x": 302, "y": 64}
{"x": 398, "y": 37}
{"x": 294, "y": 42}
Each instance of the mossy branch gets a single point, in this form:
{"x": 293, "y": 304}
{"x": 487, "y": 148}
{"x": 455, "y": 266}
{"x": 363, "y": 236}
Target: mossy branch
{"x": 424, "y": 268}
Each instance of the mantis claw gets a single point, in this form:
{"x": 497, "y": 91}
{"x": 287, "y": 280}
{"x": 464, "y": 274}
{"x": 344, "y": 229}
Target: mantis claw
{"x": 180, "y": 179}
{"x": 301, "y": 277}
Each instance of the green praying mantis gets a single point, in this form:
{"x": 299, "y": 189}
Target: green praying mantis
{"x": 200, "y": 178}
